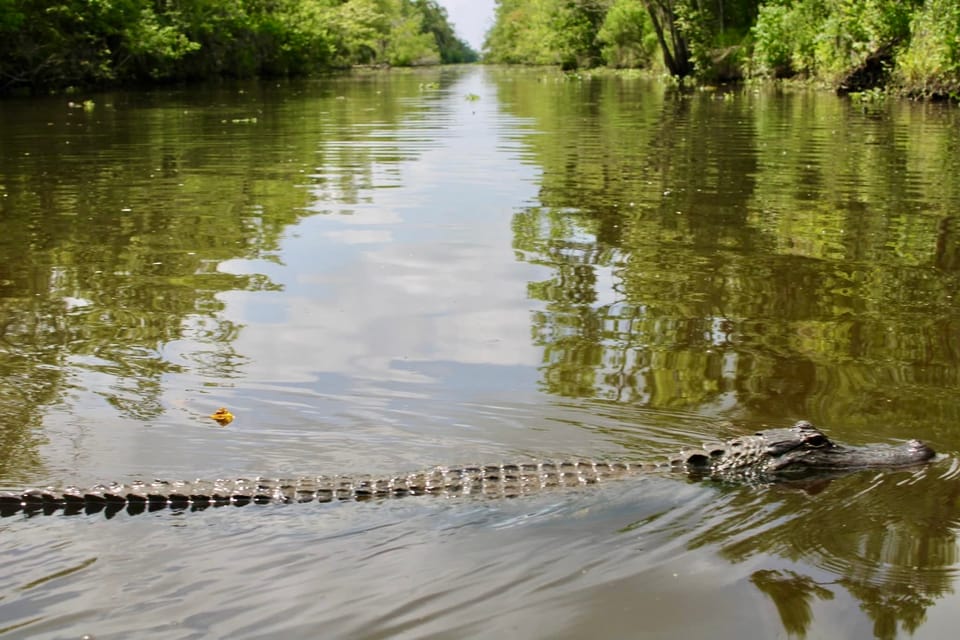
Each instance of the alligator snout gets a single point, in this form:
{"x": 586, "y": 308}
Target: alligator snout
{"x": 837, "y": 457}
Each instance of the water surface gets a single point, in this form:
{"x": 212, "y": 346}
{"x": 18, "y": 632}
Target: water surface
{"x": 394, "y": 270}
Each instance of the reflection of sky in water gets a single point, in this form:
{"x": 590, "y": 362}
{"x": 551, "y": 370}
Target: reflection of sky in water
{"x": 418, "y": 280}
{"x": 397, "y": 323}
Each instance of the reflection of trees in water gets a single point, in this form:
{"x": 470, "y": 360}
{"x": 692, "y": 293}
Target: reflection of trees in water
{"x": 692, "y": 268}
{"x": 110, "y": 249}
{"x": 31, "y": 377}
{"x": 95, "y": 311}
{"x": 891, "y": 544}
{"x": 792, "y": 594}
{"x": 699, "y": 257}
{"x": 890, "y": 604}
{"x": 101, "y": 268}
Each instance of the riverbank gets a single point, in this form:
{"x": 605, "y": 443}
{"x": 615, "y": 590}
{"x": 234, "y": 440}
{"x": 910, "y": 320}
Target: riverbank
{"x": 907, "y": 48}
{"x": 99, "y": 44}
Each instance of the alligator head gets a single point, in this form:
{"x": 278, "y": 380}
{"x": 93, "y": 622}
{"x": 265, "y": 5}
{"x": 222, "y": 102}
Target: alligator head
{"x": 803, "y": 451}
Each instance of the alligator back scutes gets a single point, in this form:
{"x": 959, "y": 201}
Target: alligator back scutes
{"x": 490, "y": 481}
{"x": 766, "y": 456}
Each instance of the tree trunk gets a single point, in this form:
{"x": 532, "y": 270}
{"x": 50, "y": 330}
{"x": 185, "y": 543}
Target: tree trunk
{"x": 676, "y": 56}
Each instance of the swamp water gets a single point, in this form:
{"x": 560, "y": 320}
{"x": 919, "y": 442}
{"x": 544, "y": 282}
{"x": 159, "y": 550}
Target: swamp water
{"x": 389, "y": 271}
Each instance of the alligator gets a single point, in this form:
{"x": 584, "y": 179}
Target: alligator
{"x": 798, "y": 452}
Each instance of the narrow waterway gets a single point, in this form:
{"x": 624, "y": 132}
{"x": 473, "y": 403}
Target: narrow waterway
{"x": 383, "y": 272}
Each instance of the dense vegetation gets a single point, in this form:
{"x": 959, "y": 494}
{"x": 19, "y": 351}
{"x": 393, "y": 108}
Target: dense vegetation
{"x": 74, "y": 42}
{"x": 852, "y": 44}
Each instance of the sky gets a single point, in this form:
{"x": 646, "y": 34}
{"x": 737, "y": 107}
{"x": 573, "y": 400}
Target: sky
{"x": 470, "y": 18}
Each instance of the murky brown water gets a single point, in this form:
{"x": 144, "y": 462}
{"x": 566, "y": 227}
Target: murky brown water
{"x": 382, "y": 273}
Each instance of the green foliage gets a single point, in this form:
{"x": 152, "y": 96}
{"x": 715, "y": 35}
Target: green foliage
{"x": 852, "y": 30}
{"x": 562, "y": 32}
{"x": 856, "y": 44}
{"x": 155, "y": 47}
{"x": 775, "y": 41}
{"x": 11, "y": 17}
{"x": 79, "y": 42}
{"x": 358, "y": 25}
{"x": 409, "y": 45}
{"x": 693, "y": 21}
{"x": 621, "y": 33}
{"x": 716, "y": 35}
{"x": 523, "y": 33}
{"x": 575, "y": 24}
{"x": 853, "y": 44}
{"x": 930, "y": 64}
{"x": 830, "y": 39}
{"x": 625, "y": 35}
{"x": 305, "y": 41}
{"x": 255, "y": 37}
{"x": 453, "y": 50}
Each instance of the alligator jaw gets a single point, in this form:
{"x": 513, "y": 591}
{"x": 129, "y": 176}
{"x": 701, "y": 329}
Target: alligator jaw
{"x": 804, "y": 451}
{"x": 831, "y": 458}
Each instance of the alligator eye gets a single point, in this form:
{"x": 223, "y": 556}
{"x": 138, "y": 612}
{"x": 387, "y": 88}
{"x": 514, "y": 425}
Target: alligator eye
{"x": 817, "y": 441}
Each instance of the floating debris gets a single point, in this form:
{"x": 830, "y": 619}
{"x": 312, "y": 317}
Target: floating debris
{"x": 222, "y": 416}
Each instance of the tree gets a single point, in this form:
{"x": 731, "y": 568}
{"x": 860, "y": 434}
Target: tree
{"x": 436, "y": 22}
{"x": 673, "y": 44}
{"x": 623, "y": 35}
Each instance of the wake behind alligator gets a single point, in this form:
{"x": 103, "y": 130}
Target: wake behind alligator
{"x": 800, "y": 451}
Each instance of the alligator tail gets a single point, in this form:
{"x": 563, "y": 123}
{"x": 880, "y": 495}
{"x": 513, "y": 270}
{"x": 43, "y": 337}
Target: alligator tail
{"x": 489, "y": 481}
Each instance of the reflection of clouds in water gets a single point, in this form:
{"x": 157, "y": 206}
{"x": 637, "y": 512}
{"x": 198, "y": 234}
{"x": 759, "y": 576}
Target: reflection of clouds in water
{"x": 463, "y": 154}
{"x": 358, "y": 236}
{"x": 420, "y": 272}
{"x": 443, "y": 302}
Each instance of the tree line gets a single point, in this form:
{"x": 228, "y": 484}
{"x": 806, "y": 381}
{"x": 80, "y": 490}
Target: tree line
{"x": 52, "y": 45}
{"x": 913, "y": 45}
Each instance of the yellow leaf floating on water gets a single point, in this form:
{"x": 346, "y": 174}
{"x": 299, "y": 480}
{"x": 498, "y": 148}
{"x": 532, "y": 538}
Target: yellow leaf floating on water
{"x": 222, "y": 416}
